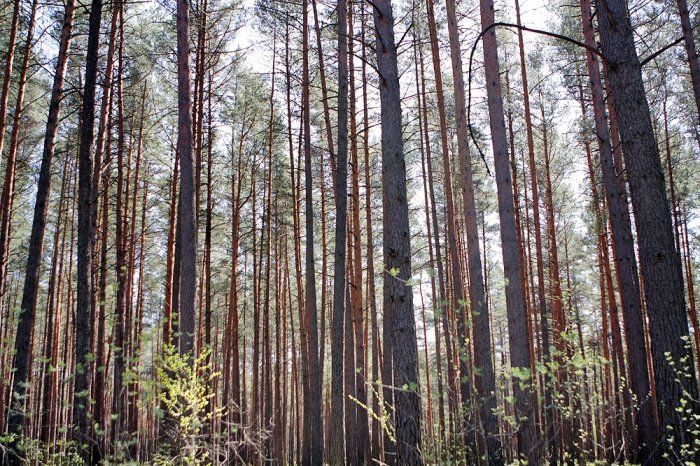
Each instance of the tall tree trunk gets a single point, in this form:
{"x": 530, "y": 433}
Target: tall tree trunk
{"x": 528, "y": 447}
{"x": 485, "y": 379}
{"x": 7, "y": 73}
{"x": 625, "y": 257}
{"x": 312, "y": 402}
{"x": 170, "y": 256}
{"x": 86, "y": 237}
{"x": 53, "y": 313}
{"x": 105, "y": 111}
{"x": 101, "y": 352}
{"x": 458, "y": 304}
{"x": 371, "y": 286}
{"x": 398, "y": 297}
{"x": 362, "y": 424}
{"x": 351, "y": 457}
{"x": 119, "y": 339}
{"x": 556, "y": 303}
{"x": 435, "y": 296}
{"x": 187, "y": 207}
{"x": 8, "y": 189}
{"x": 336, "y": 442}
{"x": 442, "y": 308}
{"x": 36, "y": 240}
{"x": 5, "y": 311}
{"x": 660, "y": 262}
{"x": 550, "y": 428}
{"x": 324, "y": 91}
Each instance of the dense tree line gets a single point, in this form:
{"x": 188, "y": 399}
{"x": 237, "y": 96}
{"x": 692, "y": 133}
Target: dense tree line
{"x": 344, "y": 233}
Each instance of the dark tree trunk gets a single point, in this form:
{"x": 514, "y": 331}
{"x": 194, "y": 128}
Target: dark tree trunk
{"x": 337, "y": 430}
{"x": 528, "y": 447}
{"x": 398, "y": 297}
{"x": 625, "y": 258}
{"x": 485, "y": 380}
{"x": 86, "y": 236}
{"x": 312, "y": 402}
{"x": 187, "y": 207}
{"x": 660, "y": 262}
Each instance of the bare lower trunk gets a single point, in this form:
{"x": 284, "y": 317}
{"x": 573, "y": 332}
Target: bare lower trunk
{"x": 86, "y": 234}
{"x": 485, "y": 380}
{"x": 660, "y": 262}
{"x": 187, "y": 207}
{"x": 528, "y": 447}
{"x": 41, "y": 208}
{"x": 625, "y": 258}
{"x": 336, "y": 442}
{"x": 398, "y": 297}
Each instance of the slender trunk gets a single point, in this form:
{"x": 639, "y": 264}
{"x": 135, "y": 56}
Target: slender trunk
{"x": 335, "y": 455}
{"x": 362, "y": 423}
{"x": 86, "y": 237}
{"x": 170, "y": 256}
{"x": 550, "y": 429}
{"x": 187, "y": 207}
{"x": 7, "y": 74}
{"x": 434, "y": 295}
{"x": 485, "y": 380}
{"x": 443, "y": 309}
{"x": 398, "y": 298}
{"x": 690, "y": 50}
{"x": 5, "y": 311}
{"x": 515, "y": 300}
{"x": 312, "y": 402}
{"x": 53, "y": 313}
{"x": 36, "y": 240}
{"x": 458, "y": 303}
{"x": 324, "y": 89}
{"x": 349, "y": 359}
{"x": 371, "y": 286}
{"x": 119, "y": 334}
{"x": 8, "y": 190}
{"x": 692, "y": 306}
{"x": 559, "y": 324}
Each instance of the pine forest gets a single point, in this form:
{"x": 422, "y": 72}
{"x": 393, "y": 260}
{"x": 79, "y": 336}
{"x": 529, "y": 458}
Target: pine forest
{"x": 362, "y": 232}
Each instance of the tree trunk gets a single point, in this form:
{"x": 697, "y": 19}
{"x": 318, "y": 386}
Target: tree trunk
{"x": 362, "y": 423}
{"x": 690, "y": 50}
{"x": 337, "y": 430}
{"x": 398, "y": 297}
{"x": 86, "y": 237}
{"x": 312, "y": 402}
{"x": 458, "y": 303}
{"x": 625, "y": 258}
{"x": 485, "y": 380}
{"x": 551, "y": 430}
{"x": 528, "y": 447}
{"x": 187, "y": 207}
{"x": 36, "y": 240}
{"x": 371, "y": 286}
{"x": 442, "y": 308}
{"x": 660, "y": 262}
